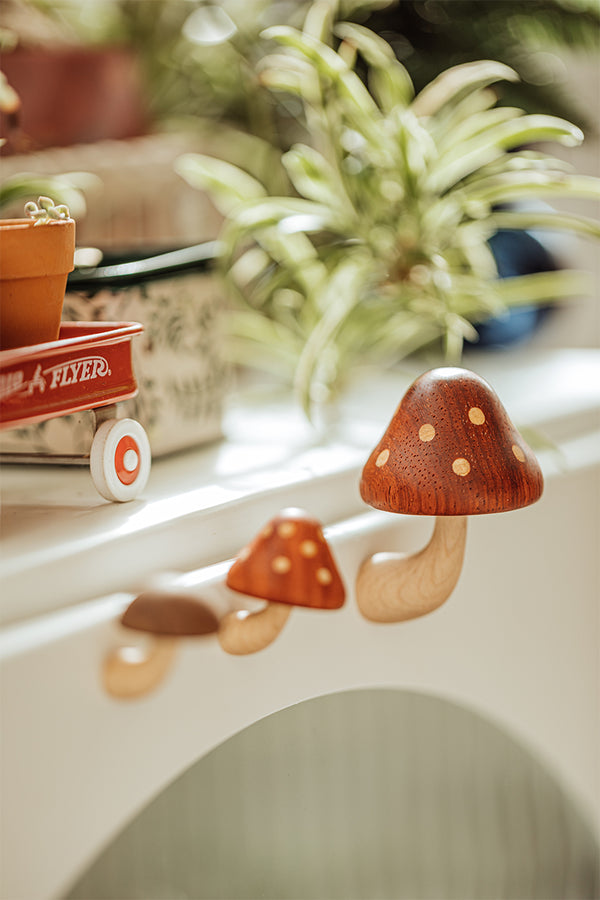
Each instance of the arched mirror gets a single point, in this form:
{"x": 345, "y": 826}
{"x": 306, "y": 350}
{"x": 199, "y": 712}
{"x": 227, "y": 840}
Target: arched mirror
{"x": 361, "y": 795}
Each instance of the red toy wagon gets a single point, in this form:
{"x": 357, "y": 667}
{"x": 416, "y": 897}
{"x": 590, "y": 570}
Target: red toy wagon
{"x": 88, "y": 367}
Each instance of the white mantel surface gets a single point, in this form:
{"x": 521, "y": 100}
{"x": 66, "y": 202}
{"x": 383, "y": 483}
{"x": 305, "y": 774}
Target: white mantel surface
{"x": 62, "y": 544}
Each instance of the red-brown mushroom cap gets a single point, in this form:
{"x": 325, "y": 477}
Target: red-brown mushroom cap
{"x": 451, "y": 450}
{"x": 165, "y": 613}
{"x": 289, "y": 561}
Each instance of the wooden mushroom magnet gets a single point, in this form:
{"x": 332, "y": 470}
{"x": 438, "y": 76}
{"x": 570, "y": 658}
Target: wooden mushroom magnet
{"x": 131, "y": 671}
{"x": 450, "y": 451}
{"x": 288, "y": 563}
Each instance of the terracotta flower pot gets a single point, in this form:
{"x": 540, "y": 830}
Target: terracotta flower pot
{"x": 34, "y": 263}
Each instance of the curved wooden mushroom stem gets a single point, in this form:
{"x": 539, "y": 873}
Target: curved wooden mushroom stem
{"x": 243, "y": 632}
{"x": 392, "y": 587}
{"x": 130, "y": 672}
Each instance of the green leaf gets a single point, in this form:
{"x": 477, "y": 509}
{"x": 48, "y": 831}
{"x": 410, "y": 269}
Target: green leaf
{"x": 318, "y": 19}
{"x": 512, "y": 186}
{"x": 520, "y": 161}
{"x": 402, "y": 333}
{"x": 320, "y": 55}
{"x": 492, "y": 144}
{"x": 315, "y": 178}
{"x": 447, "y": 120}
{"x": 291, "y": 74}
{"x": 452, "y": 84}
{"x": 417, "y": 147}
{"x": 481, "y": 262}
{"x": 388, "y": 79}
{"x": 457, "y": 330}
{"x": 581, "y": 225}
{"x": 541, "y": 287}
{"x": 251, "y": 328}
{"x": 255, "y": 215}
{"x": 460, "y": 133}
{"x": 474, "y": 298}
{"x": 358, "y": 103}
{"x": 341, "y": 293}
{"x": 228, "y": 185}
{"x": 292, "y": 250}
{"x": 296, "y": 254}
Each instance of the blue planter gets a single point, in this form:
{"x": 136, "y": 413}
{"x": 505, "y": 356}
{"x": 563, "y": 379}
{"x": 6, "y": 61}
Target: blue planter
{"x": 516, "y": 253}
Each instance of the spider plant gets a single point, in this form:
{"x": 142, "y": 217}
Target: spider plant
{"x": 381, "y": 248}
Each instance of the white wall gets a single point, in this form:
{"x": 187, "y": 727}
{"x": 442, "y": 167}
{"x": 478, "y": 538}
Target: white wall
{"x": 578, "y": 323}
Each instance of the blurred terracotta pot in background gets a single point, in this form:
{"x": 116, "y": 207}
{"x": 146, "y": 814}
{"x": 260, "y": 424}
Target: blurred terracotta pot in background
{"x": 72, "y": 95}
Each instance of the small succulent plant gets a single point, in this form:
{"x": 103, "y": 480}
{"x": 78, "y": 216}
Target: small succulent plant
{"x": 381, "y": 246}
{"x": 45, "y": 210}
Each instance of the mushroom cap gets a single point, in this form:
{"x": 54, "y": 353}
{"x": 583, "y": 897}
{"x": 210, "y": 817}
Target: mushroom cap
{"x": 166, "y": 613}
{"x": 451, "y": 450}
{"x": 289, "y": 561}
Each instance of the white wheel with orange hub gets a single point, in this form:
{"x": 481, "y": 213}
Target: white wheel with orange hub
{"x": 120, "y": 459}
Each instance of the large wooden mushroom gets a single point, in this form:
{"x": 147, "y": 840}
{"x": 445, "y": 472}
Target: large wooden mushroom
{"x": 450, "y": 451}
{"x": 288, "y": 563}
{"x": 166, "y": 617}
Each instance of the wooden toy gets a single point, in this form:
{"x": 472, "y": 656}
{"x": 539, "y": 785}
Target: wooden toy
{"x": 88, "y": 367}
{"x": 130, "y": 672}
{"x": 450, "y": 451}
{"x": 288, "y": 563}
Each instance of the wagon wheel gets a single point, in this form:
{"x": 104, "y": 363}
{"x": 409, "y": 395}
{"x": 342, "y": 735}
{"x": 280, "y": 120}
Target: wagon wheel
{"x": 120, "y": 459}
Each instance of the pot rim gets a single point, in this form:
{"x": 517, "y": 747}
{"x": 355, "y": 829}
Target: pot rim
{"x": 29, "y": 223}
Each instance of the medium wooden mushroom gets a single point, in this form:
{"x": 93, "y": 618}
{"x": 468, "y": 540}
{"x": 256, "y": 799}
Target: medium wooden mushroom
{"x": 450, "y": 451}
{"x": 288, "y": 563}
{"x": 131, "y": 671}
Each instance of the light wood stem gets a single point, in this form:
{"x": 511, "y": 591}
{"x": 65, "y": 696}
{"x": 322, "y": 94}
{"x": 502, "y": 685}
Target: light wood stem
{"x": 242, "y": 632}
{"x": 393, "y": 587}
{"x": 128, "y": 672}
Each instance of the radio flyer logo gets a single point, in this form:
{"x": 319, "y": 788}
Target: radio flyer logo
{"x": 61, "y": 375}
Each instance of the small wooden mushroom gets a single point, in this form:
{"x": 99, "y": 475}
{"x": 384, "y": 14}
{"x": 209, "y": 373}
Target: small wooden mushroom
{"x": 288, "y": 563}
{"x": 130, "y": 671}
{"x": 450, "y": 451}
